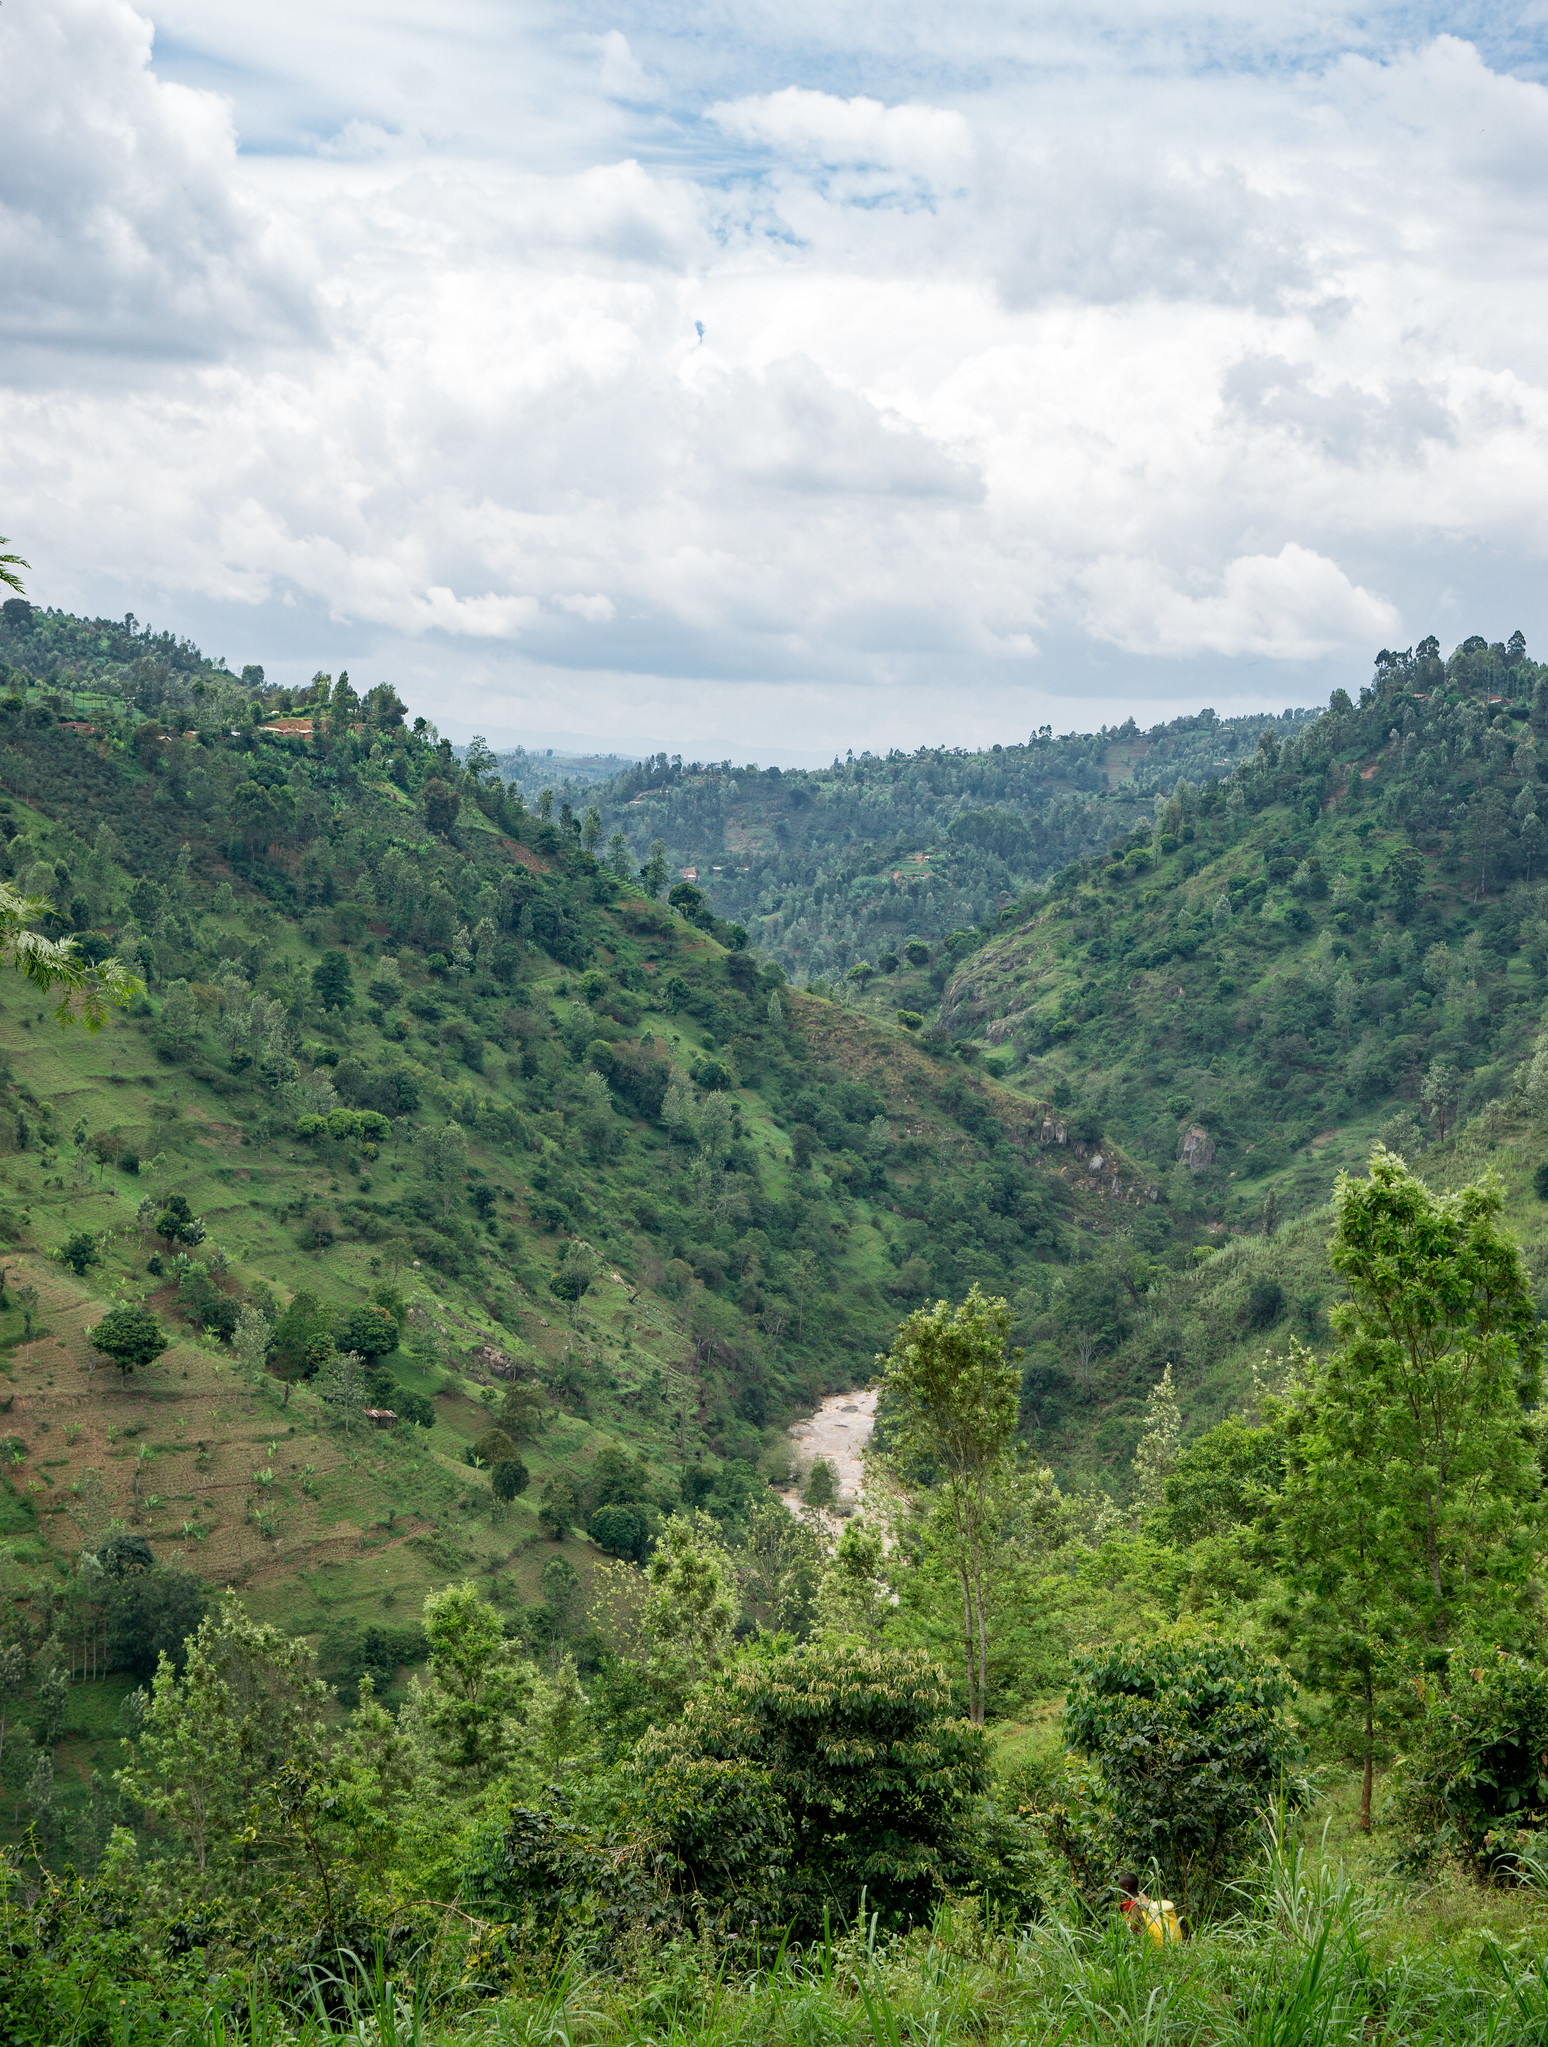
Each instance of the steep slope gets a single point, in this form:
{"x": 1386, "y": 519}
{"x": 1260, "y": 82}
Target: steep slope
{"x": 1348, "y": 931}
{"x": 406, "y": 1045}
{"x": 830, "y": 868}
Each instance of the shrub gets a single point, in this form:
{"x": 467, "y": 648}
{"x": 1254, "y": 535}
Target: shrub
{"x": 880, "y": 1778}
{"x": 1540, "y": 1181}
{"x": 1191, "y": 1741}
{"x": 620, "y": 1531}
{"x": 370, "y": 1330}
{"x": 1475, "y": 1780}
{"x": 493, "y": 1447}
{"x": 79, "y": 1251}
{"x": 1265, "y": 1303}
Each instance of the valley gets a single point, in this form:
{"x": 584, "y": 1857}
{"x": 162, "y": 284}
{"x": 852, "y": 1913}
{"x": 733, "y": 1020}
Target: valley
{"x": 538, "y": 1245}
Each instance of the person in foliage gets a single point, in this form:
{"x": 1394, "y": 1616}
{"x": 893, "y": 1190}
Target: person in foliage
{"x": 1156, "y": 1917}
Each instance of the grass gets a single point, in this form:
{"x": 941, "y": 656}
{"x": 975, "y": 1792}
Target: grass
{"x": 1316, "y": 1956}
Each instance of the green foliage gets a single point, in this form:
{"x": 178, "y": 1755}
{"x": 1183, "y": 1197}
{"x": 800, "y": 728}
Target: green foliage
{"x": 619, "y": 1531}
{"x": 369, "y": 1329}
{"x": 333, "y": 981}
{"x": 177, "y": 1224}
{"x": 1192, "y": 1743}
{"x": 131, "y": 1336}
{"x": 508, "y": 1477}
{"x": 79, "y": 1252}
{"x": 1225, "y": 1479}
{"x": 879, "y": 1779}
{"x": 151, "y": 1613}
{"x": 1474, "y": 1780}
{"x": 1412, "y": 1496}
{"x": 820, "y": 1489}
{"x": 955, "y": 1392}
{"x": 493, "y": 1447}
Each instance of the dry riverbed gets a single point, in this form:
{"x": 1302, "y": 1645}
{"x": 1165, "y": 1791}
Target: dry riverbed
{"x": 839, "y": 1431}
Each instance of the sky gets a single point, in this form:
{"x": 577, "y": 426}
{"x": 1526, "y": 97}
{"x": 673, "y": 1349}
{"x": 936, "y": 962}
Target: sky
{"x": 771, "y": 381}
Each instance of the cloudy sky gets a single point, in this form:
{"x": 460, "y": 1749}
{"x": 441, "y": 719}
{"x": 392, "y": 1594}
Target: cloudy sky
{"x": 764, "y": 380}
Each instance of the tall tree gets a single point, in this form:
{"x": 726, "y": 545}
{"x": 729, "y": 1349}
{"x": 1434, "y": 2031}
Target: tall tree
{"x": 1412, "y": 1496}
{"x": 957, "y": 1392}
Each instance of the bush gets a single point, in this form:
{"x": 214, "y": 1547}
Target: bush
{"x": 369, "y": 1330}
{"x": 1265, "y": 1303}
{"x": 1191, "y": 1742}
{"x": 79, "y": 1251}
{"x": 1476, "y": 1778}
{"x": 880, "y": 1779}
{"x": 493, "y": 1447}
{"x": 620, "y": 1531}
{"x": 1540, "y": 1181}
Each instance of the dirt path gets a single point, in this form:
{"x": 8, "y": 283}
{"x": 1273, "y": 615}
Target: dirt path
{"x": 839, "y": 1431}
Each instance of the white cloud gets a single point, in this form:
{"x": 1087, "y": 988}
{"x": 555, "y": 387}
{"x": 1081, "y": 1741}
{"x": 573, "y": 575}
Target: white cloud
{"x": 1016, "y": 348}
{"x": 1294, "y": 605}
{"x": 819, "y": 128}
{"x": 121, "y": 227}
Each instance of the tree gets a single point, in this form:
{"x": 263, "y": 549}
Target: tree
{"x": 854, "y": 1600}
{"x": 413, "y": 1407}
{"x": 1192, "y": 1743}
{"x": 957, "y": 1393}
{"x": 370, "y": 1330}
{"x": 333, "y": 981}
{"x": 79, "y": 1251}
{"x": 463, "y": 1709}
{"x": 492, "y": 1447}
{"x": 820, "y": 1490}
{"x": 251, "y": 1338}
{"x": 1411, "y": 1490}
{"x": 131, "y": 1336}
{"x": 443, "y": 1153}
{"x": 557, "y": 1507}
{"x": 441, "y": 805}
{"x": 578, "y": 1268}
{"x": 247, "y": 1703}
{"x": 1155, "y": 1459}
{"x": 690, "y": 1603}
{"x": 508, "y": 1477}
{"x": 345, "y": 1386}
{"x": 151, "y": 1614}
{"x": 1440, "y": 1092}
{"x": 620, "y": 1531}
{"x": 653, "y": 875}
{"x": 302, "y": 1324}
{"x": 177, "y": 1223}
{"x": 521, "y": 1411}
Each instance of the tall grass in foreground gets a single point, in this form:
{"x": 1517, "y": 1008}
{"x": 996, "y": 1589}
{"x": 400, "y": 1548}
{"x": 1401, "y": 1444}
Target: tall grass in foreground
{"x": 1312, "y": 1959}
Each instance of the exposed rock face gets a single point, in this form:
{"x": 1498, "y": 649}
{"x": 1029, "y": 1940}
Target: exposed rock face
{"x": 1198, "y": 1148}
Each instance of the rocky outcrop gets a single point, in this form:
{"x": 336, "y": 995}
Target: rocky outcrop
{"x": 1198, "y": 1148}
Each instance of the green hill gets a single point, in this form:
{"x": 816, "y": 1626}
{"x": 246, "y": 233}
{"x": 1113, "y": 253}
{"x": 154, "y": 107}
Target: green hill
{"x": 406, "y": 1044}
{"x": 834, "y": 867}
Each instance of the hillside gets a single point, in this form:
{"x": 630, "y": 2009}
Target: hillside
{"x": 408, "y": 1049}
{"x": 830, "y": 868}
